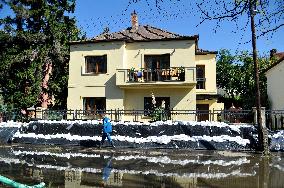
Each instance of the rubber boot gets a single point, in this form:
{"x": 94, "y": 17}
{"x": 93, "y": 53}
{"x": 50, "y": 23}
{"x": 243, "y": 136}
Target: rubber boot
{"x": 112, "y": 145}
{"x": 100, "y": 145}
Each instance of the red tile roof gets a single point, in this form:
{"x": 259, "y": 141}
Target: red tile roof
{"x": 279, "y": 55}
{"x": 144, "y": 33}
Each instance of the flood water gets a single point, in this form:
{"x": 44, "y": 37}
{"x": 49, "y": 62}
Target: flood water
{"x": 128, "y": 167}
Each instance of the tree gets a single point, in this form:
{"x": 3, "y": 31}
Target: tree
{"x": 228, "y": 76}
{"x": 235, "y": 77}
{"x": 35, "y": 52}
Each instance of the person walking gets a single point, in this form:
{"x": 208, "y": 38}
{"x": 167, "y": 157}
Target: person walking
{"x": 107, "y": 130}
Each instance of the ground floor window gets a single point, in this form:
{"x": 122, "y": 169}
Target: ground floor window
{"x": 94, "y": 104}
{"x": 160, "y": 102}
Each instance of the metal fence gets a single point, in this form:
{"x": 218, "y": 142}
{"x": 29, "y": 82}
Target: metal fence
{"x": 274, "y": 118}
{"x": 244, "y": 116}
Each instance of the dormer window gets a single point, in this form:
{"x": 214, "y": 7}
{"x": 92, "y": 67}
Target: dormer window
{"x": 96, "y": 64}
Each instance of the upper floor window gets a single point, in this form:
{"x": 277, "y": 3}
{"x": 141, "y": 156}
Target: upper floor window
{"x": 96, "y": 64}
{"x": 200, "y": 76}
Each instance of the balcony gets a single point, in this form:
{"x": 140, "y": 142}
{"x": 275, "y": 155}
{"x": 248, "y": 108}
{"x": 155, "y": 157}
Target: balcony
{"x": 174, "y": 77}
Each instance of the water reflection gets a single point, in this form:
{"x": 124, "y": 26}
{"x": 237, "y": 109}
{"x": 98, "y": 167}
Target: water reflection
{"x": 61, "y": 167}
{"x": 107, "y": 170}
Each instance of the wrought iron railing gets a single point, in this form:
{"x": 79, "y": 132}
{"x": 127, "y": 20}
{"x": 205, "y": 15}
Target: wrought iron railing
{"x": 274, "y": 118}
{"x": 243, "y": 116}
{"x": 150, "y": 75}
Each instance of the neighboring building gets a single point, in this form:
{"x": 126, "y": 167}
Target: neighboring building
{"x": 275, "y": 80}
{"x": 121, "y": 70}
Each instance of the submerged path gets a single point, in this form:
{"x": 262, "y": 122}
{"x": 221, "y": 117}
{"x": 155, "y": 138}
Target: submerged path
{"x": 78, "y": 166}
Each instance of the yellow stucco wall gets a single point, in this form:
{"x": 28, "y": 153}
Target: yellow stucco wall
{"x": 180, "y": 99}
{"x": 275, "y": 88}
{"x": 182, "y": 53}
{"x": 101, "y": 85}
{"x": 209, "y": 61}
{"x": 214, "y": 107}
{"x": 121, "y": 55}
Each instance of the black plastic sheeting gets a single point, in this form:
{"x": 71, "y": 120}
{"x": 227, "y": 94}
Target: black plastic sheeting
{"x": 137, "y": 131}
{"x": 7, "y": 133}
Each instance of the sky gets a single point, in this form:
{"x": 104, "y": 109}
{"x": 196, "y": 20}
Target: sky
{"x": 174, "y": 16}
{"x": 177, "y": 16}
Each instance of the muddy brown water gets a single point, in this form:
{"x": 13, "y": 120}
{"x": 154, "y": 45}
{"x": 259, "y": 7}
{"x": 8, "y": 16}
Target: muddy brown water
{"x": 127, "y": 167}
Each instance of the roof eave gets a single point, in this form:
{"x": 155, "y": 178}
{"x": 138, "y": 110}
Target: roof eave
{"x": 195, "y": 37}
{"x": 205, "y": 53}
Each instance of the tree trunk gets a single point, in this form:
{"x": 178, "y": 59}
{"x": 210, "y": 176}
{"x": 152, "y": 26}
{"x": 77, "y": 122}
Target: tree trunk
{"x": 44, "y": 96}
{"x": 262, "y": 131}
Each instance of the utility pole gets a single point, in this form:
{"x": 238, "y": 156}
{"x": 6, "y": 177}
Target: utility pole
{"x": 262, "y": 130}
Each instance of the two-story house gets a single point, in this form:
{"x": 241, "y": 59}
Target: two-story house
{"x": 122, "y": 70}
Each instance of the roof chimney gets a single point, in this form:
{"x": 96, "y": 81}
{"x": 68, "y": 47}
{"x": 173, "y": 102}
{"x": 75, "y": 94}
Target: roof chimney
{"x": 134, "y": 21}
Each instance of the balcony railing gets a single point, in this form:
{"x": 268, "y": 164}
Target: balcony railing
{"x": 150, "y": 75}
{"x": 172, "y": 74}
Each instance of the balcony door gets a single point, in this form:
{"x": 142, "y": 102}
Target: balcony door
{"x": 153, "y": 64}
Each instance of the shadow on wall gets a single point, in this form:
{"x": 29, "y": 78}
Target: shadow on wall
{"x": 111, "y": 90}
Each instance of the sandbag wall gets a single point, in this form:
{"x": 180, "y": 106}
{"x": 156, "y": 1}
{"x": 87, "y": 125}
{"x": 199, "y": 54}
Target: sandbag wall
{"x": 190, "y": 135}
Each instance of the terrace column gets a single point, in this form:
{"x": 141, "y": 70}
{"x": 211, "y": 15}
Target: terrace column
{"x": 263, "y": 123}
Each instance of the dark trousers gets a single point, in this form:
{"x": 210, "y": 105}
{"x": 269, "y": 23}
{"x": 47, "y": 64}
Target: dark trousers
{"x": 104, "y": 136}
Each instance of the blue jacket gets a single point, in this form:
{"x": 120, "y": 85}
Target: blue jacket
{"x": 107, "y": 127}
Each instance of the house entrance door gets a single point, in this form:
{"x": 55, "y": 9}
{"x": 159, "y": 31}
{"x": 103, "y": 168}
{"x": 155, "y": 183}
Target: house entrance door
{"x": 202, "y": 112}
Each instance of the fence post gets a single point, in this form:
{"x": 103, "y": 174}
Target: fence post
{"x": 263, "y": 123}
{"x": 115, "y": 115}
{"x": 254, "y": 115}
{"x": 135, "y": 115}
{"x": 213, "y": 114}
{"x": 262, "y": 113}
